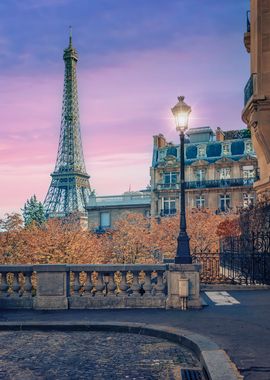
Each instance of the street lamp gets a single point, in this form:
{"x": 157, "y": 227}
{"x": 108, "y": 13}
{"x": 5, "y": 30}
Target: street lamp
{"x": 181, "y": 113}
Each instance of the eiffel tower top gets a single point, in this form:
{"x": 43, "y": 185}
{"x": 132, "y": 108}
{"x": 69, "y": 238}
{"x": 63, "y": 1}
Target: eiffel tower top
{"x": 70, "y": 52}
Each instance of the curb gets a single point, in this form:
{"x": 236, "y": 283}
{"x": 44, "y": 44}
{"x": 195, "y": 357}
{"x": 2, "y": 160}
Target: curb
{"x": 215, "y": 361}
{"x": 230, "y": 287}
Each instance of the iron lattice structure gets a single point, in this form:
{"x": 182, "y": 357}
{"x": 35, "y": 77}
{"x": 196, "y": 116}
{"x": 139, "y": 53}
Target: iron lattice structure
{"x": 69, "y": 190}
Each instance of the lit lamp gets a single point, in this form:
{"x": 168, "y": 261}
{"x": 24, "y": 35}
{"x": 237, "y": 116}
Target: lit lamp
{"x": 181, "y": 112}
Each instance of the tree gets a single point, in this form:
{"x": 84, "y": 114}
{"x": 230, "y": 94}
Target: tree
{"x": 229, "y": 227}
{"x": 202, "y": 225}
{"x": 130, "y": 242}
{"x": 33, "y": 211}
{"x": 10, "y": 238}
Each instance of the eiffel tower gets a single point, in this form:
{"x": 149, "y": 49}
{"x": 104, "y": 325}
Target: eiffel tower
{"x": 69, "y": 190}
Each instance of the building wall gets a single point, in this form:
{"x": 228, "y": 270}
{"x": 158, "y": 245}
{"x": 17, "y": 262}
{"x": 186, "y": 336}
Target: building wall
{"x": 256, "y": 113}
{"x": 116, "y": 213}
{"x": 204, "y": 176}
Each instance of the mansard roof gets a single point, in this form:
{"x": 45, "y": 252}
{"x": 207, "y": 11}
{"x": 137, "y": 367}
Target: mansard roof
{"x": 215, "y": 151}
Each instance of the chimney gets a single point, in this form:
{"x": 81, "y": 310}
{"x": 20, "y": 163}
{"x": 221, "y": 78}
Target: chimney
{"x": 219, "y": 134}
{"x": 160, "y": 141}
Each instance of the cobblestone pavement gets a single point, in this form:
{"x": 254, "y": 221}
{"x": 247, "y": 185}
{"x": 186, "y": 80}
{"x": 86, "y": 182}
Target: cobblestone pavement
{"x": 34, "y": 355}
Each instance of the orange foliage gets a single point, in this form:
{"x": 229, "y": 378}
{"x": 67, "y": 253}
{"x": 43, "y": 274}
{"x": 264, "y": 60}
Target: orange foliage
{"x": 229, "y": 227}
{"x": 135, "y": 239}
{"x": 56, "y": 241}
{"x": 202, "y": 225}
{"x": 130, "y": 242}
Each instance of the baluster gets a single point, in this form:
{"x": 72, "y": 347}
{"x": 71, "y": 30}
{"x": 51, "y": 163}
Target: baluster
{"x": 160, "y": 286}
{"x": 100, "y": 285}
{"x": 77, "y": 284}
{"x": 4, "y": 285}
{"x": 27, "y": 289}
{"x": 15, "y": 285}
{"x": 123, "y": 285}
{"x": 88, "y": 285}
{"x": 135, "y": 287}
{"x": 111, "y": 285}
{"x": 147, "y": 286}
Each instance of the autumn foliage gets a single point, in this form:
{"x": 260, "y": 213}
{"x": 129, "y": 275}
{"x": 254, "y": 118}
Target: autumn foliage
{"x": 229, "y": 227}
{"x": 56, "y": 241}
{"x": 135, "y": 239}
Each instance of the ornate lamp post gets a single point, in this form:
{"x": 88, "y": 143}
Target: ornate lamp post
{"x": 181, "y": 113}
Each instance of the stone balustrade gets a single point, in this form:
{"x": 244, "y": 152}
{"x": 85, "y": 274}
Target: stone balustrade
{"x": 117, "y": 286}
{"x": 16, "y": 287}
{"x": 61, "y": 286}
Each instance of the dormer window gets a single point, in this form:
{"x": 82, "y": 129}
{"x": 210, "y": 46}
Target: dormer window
{"x": 226, "y": 149}
{"x": 201, "y": 151}
{"x": 162, "y": 154}
{"x": 249, "y": 147}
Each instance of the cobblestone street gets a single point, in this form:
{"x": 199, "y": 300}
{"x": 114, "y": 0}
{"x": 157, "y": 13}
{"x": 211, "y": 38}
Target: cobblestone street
{"x": 90, "y": 355}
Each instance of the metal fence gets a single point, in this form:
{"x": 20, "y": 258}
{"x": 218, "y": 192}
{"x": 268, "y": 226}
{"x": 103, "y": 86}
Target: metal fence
{"x": 246, "y": 259}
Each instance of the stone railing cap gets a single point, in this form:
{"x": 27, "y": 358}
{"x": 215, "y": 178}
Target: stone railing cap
{"x": 16, "y": 268}
{"x": 51, "y": 268}
{"x": 118, "y": 267}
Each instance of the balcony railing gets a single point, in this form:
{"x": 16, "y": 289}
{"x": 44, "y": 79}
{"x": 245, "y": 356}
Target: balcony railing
{"x": 173, "y": 186}
{"x": 119, "y": 200}
{"x": 230, "y": 182}
{"x": 168, "y": 212}
{"x": 249, "y": 89}
{"x": 248, "y": 21}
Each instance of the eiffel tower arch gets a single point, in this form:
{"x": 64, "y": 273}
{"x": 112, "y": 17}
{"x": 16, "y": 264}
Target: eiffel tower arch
{"x": 69, "y": 190}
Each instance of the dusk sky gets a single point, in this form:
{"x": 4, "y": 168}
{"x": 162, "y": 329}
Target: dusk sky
{"x": 135, "y": 58}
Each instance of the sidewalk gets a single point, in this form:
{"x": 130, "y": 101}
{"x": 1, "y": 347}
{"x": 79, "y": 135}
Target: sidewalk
{"x": 242, "y": 330}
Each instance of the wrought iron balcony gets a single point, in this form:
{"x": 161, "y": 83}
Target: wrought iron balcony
{"x": 248, "y": 21}
{"x": 249, "y": 89}
{"x": 168, "y": 212}
{"x": 161, "y": 186}
{"x": 247, "y": 33}
{"x": 232, "y": 182}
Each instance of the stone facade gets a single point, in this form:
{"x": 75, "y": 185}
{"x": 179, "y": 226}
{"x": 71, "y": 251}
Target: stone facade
{"x": 104, "y": 211}
{"x": 220, "y": 171}
{"x": 256, "y": 112}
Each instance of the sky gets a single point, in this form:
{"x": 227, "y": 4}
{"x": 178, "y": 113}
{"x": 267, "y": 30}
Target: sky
{"x": 135, "y": 58}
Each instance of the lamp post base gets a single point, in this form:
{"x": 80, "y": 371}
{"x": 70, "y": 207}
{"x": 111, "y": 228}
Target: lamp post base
{"x": 182, "y": 260}
{"x": 183, "y": 251}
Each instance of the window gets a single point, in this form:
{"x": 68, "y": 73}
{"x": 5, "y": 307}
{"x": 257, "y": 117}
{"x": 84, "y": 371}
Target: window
{"x": 226, "y": 149}
{"x": 168, "y": 206}
{"x": 225, "y": 173}
{"x": 200, "y": 201}
{"x": 201, "y": 151}
{"x": 248, "y": 199}
{"x": 200, "y": 175}
{"x": 170, "y": 178}
{"x": 105, "y": 219}
{"x": 224, "y": 202}
{"x": 248, "y": 174}
{"x": 249, "y": 147}
{"x": 147, "y": 213}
